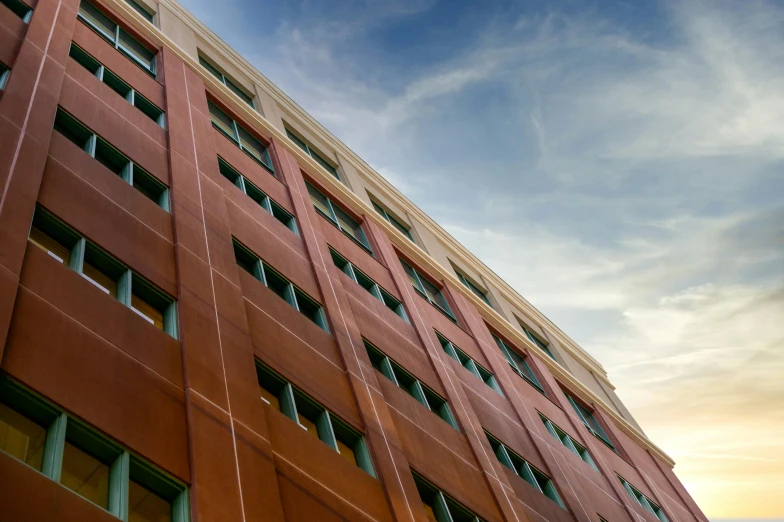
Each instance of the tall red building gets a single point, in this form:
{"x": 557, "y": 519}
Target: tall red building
{"x": 212, "y": 310}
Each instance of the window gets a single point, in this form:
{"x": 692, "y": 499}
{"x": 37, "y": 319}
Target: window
{"x": 5, "y": 72}
{"x": 112, "y": 159}
{"x": 525, "y": 470}
{"x": 573, "y": 446}
{"x": 519, "y": 364}
{"x": 338, "y": 217}
{"x": 471, "y": 365}
{"x": 226, "y": 81}
{"x": 534, "y": 339}
{"x": 103, "y": 271}
{"x": 94, "y": 467}
{"x": 314, "y": 418}
{"x": 644, "y": 501}
{"x": 410, "y": 384}
{"x": 242, "y": 138}
{"x": 20, "y": 9}
{"x": 440, "y": 507}
{"x": 116, "y": 84}
{"x": 428, "y": 290}
{"x": 394, "y": 222}
{"x": 254, "y": 193}
{"x": 313, "y": 154}
{"x": 116, "y": 36}
{"x": 141, "y": 10}
{"x": 282, "y": 287}
{"x": 475, "y": 289}
{"x": 590, "y": 422}
{"x": 368, "y": 284}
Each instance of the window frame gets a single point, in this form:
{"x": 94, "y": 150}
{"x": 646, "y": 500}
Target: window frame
{"x": 325, "y": 421}
{"x": 125, "y": 466}
{"x": 519, "y": 364}
{"x": 313, "y": 153}
{"x": 417, "y": 282}
{"x": 292, "y": 294}
{"x": 130, "y": 171}
{"x": 405, "y": 380}
{"x": 20, "y": 9}
{"x": 474, "y": 289}
{"x": 232, "y": 85}
{"x": 142, "y": 10}
{"x": 5, "y": 73}
{"x": 525, "y": 470}
{"x": 445, "y": 507}
{"x": 103, "y": 74}
{"x": 403, "y": 229}
{"x": 568, "y": 441}
{"x": 267, "y": 203}
{"x": 586, "y": 416}
{"x": 332, "y": 217}
{"x": 124, "y": 282}
{"x": 538, "y": 342}
{"x": 643, "y": 500}
{"x": 377, "y": 291}
{"x": 469, "y": 363}
{"x": 236, "y": 137}
{"x": 115, "y": 39}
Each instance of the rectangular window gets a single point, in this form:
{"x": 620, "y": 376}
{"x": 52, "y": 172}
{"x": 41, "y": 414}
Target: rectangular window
{"x": 257, "y": 195}
{"x": 590, "y": 422}
{"x": 469, "y": 364}
{"x": 428, "y": 290}
{"x": 244, "y": 96}
{"x": 475, "y": 289}
{"x": 313, "y": 154}
{"x": 644, "y": 501}
{"x": 20, "y": 9}
{"x": 241, "y": 137}
{"x": 538, "y": 342}
{"x": 5, "y": 72}
{"x": 119, "y": 86}
{"x": 394, "y": 222}
{"x": 368, "y": 284}
{"x": 525, "y": 470}
{"x": 141, "y": 10}
{"x": 573, "y": 446}
{"x": 67, "y": 451}
{"x": 112, "y": 159}
{"x": 314, "y": 418}
{"x": 440, "y": 507}
{"x": 281, "y": 286}
{"x": 115, "y": 35}
{"x": 518, "y": 364}
{"x": 413, "y": 386}
{"x": 338, "y": 217}
{"x": 103, "y": 271}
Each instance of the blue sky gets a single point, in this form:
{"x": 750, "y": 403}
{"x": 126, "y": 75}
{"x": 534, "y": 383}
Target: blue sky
{"x": 619, "y": 163}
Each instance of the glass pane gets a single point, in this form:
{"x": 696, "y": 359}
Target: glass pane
{"x": 252, "y": 145}
{"x": 293, "y": 137}
{"x": 348, "y": 225}
{"x": 110, "y": 157}
{"x": 147, "y": 311}
{"x": 239, "y": 92}
{"x": 207, "y": 65}
{"x": 86, "y": 476}
{"x": 137, "y": 51}
{"x": 276, "y": 283}
{"x": 97, "y": 19}
{"x": 346, "y": 452}
{"x": 117, "y": 85}
{"x": 148, "y": 108}
{"x": 141, "y": 10}
{"x": 84, "y": 59}
{"x": 50, "y": 246}
{"x": 222, "y": 121}
{"x": 21, "y": 438}
{"x": 150, "y": 187}
{"x": 320, "y": 201}
{"x": 99, "y": 279}
{"x": 308, "y": 307}
{"x": 67, "y": 125}
{"x": 146, "y": 506}
{"x": 431, "y": 516}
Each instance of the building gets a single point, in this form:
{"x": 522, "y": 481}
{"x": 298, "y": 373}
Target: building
{"x": 211, "y": 309}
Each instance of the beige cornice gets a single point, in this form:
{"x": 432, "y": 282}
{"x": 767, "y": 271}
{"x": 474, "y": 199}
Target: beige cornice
{"x": 417, "y": 254}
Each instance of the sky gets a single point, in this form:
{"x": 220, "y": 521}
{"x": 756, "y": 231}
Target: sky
{"x": 619, "y": 163}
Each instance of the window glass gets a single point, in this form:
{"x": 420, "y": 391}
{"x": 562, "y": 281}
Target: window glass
{"x": 21, "y": 438}
{"x": 85, "y": 475}
{"x": 269, "y": 397}
{"x": 141, "y": 10}
{"x": 308, "y": 308}
{"x": 276, "y": 283}
{"x": 320, "y": 201}
{"x": 149, "y": 186}
{"x": 222, "y": 121}
{"x": 97, "y": 19}
{"x": 67, "y": 125}
{"x": 252, "y": 145}
{"x": 148, "y": 303}
{"x": 307, "y": 414}
{"x": 238, "y": 91}
{"x": 110, "y": 157}
{"x": 137, "y": 51}
{"x": 50, "y": 245}
{"x": 146, "y": 506}
{"x": 116, "y": 84}
{"x": 348, "y": 225}
{"x": 101, "y": 271}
